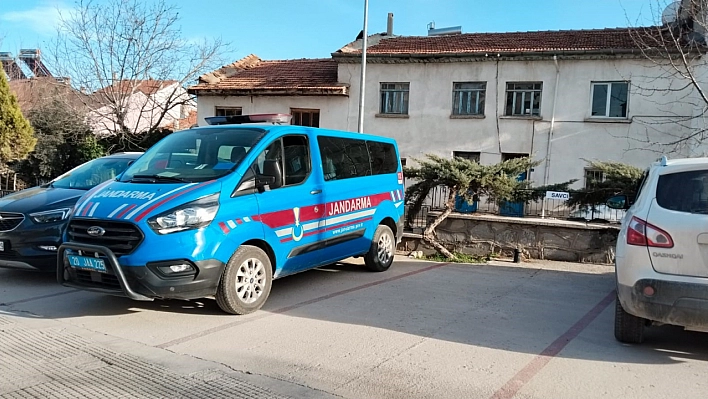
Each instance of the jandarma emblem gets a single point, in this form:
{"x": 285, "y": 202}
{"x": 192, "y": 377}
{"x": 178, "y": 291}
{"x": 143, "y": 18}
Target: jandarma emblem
{"x": 96, "y": 231}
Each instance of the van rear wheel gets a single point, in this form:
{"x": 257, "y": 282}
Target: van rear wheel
{"x": 246, "y": 282}
{"x": 628, "y": 328}
{"x": 380, "y": 255}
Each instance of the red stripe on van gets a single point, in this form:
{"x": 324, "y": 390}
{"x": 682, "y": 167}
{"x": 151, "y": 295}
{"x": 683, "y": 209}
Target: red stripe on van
{"x": 124, "y": 211}
{"x": 224, "y": 227}
{"x": 314, "y": 212}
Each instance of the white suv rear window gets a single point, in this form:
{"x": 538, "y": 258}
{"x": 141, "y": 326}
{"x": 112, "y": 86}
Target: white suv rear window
{"x": 684, "y": 192}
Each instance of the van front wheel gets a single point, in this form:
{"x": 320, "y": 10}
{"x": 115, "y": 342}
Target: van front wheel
{"x": 380, "y": 255}
{"x": 246, "y": 282}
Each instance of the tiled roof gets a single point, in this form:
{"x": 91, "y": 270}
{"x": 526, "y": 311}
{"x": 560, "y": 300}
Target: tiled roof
{"x": 34, "y": 92}
{"x": 148, "y": 87}
{"x": 513, "y": 42}
{"x": 251, "y": 75}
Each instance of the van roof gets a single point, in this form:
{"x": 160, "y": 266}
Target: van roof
{"x": 295, "y": 128}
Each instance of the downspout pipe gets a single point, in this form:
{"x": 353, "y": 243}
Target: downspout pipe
{"x": 547, "y": 170}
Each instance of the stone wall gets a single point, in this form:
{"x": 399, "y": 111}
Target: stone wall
{"x": 535, "y": 238}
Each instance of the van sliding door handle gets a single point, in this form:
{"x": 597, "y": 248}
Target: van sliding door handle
{"x": 313, "y": 192}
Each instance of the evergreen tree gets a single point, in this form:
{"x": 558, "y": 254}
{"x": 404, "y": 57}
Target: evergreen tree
{"x": 618, "y": 178}
{"x": 16, "y": 134}
{"x": 469, "y": 179}
{"x": 64, "y": 141}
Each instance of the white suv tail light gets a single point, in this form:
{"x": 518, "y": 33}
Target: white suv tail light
{"x": 642, "y": 233}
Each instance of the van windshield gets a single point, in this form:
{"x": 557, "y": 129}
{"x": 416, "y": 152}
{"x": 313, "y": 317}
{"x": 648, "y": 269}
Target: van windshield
{"x": 194, "y": 155}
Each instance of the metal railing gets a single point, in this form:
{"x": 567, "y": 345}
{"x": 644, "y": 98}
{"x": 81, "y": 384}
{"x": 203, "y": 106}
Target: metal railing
{"x": 541, "y": 208}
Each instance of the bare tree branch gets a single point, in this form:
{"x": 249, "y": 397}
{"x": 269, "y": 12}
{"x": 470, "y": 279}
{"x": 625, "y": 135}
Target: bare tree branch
{"x": 132, "y": 56}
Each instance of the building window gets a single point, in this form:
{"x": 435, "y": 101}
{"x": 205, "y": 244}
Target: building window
{"x": 394, "y": 98}
{"x": 472, "y": 156}
{"x": 593, "y": 176}
{"x": 609, "y": 99}
{"x": 305, "y": 117}
{"x": 513, "y": 155}
{"x": 523, "y": 98}
{"x": 468, "y": 98}
{"x": 227, "y": 111}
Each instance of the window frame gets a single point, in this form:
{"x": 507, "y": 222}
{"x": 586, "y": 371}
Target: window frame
{"x": 608, "y": 99}
{"x": 383, "y": 98}
{"x": 218, "y": 108}
{"x": 470, "y": 155}
{"x": 513, "y": 91}
{"x": 479, "y": 105}
{"x": 593, "y": 171}
{"x": 310, "y": 111}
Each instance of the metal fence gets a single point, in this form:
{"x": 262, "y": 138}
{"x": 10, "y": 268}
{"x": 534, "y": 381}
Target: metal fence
{"x": 542, "y": 208}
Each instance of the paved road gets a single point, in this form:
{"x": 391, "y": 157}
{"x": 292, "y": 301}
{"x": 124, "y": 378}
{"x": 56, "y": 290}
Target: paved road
{"x": 423, "y": 330}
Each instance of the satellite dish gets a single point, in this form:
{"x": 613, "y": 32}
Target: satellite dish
{"x": 671, "y": 13}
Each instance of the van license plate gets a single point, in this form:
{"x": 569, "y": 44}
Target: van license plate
{"x": 84, "y": 262}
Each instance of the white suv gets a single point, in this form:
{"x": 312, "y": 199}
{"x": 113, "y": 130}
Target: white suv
{"x": 662, "y": 250}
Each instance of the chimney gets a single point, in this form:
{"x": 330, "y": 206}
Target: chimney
{"x": 389, "y": 26}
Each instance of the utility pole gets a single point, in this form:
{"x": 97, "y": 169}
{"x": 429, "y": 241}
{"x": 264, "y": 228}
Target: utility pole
{"x": 362, "y": 84}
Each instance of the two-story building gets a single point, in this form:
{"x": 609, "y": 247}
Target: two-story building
{"x": 562, "y": 97}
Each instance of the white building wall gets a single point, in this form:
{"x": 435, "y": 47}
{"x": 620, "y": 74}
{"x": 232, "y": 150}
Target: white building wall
{"x": 429, "y": 128}
{"x": 334, "y": 112}
{"x": 576, "y": 136}
{"x": 143, "y": 111}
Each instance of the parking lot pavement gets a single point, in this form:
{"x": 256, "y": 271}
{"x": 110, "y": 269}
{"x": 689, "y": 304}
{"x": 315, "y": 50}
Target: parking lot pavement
{"x": 422, "y": 329}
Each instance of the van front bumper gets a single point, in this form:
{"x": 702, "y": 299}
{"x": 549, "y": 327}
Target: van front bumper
{"x": 140, "y": 283}
{"x": 678, "y": 303}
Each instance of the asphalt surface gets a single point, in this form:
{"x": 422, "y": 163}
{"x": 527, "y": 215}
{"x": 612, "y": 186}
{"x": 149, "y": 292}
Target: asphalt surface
{"x": 419, "y": 330}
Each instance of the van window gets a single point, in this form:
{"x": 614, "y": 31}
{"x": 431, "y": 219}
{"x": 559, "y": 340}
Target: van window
{"x": 383, "y": 157}
{"x": 344, "y": 158}
{"x": 292, "y": 155}
{"x": 684, "y": 192}
{"x": 195, "y": 155}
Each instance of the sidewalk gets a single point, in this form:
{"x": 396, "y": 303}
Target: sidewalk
{"x": 44, "y": 358}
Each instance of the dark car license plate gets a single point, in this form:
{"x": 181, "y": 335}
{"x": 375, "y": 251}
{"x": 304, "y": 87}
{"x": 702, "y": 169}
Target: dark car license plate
{"x": 85, "y": 262}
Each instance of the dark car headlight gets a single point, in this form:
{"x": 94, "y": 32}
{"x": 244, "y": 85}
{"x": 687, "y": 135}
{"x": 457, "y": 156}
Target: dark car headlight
{"x": 54, "y": 215}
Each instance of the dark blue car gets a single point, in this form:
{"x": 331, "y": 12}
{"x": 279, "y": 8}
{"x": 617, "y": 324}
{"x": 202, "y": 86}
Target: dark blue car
{"x": 32, "y": 220}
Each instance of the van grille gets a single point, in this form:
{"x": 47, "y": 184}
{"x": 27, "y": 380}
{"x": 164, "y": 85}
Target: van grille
{"x": 120, "y": 237}
{"x": 10, "y": 220}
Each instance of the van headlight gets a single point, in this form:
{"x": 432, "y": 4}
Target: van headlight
{"x": 54, "y": 215}
{"x": 191, "y": 215}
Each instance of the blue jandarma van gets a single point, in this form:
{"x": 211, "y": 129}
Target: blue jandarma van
{"x": 222, "y": 210}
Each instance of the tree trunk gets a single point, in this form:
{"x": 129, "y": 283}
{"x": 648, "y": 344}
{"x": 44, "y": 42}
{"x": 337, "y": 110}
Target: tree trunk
{"x": 429, "y": 232}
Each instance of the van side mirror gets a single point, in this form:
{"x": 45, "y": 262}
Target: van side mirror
{"x": 272, "y": 174}
{"x": 618, "y": 202}
{"x": 262, "y": 181}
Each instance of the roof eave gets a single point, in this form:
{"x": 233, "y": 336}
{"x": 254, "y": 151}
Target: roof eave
{"x": 491, "y": 54}
{"x": 300, "y": 91}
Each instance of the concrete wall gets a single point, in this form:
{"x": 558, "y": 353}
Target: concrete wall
{"x": 536, "y": 239}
